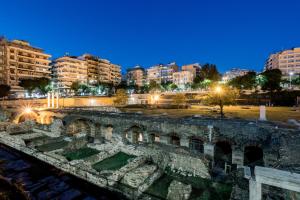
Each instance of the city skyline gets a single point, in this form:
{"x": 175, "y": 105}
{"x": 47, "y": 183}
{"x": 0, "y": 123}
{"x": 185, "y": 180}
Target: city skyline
{"x": 150, "y": 33}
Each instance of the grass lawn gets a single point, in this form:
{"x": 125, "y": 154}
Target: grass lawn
{"x": 80, "y": 153}
{"x": 113, "y": 163}
{"x": 201, "y": 188}
{"x": 160, "y": 187}
{"x": 246, "y": 112}
{"x": 52, "y": 146}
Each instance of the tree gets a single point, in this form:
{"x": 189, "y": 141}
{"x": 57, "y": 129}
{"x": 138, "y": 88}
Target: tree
{"x": 296, "y": 81}
{"x": 75, "y": 86}
{"x": 173, "y": 87}
{"x": 210, "y": 71}
{"x": 154, "y": 86}
{"x": 121, "y": 97}
{"x": 247, "y": 81}
{"x": 43, "y": 85}
{"x": 273, "y": 78}
{"x": 28, "y": 84}
{"x": 4, "y": 90}
{"x": 221, "y": 95}
{"x": 179, "y": 99}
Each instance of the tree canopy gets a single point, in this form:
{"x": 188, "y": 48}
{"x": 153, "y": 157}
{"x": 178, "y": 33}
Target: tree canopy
{"x": 247, "y": 81}
{"x": 210, "y": 71}
{"x": 272, "y": 80}
{"x": 221, "y": 95}
{"x": 4, "y": 90}
{"x": 42, "y": 84}
{"x": 121, "y": 97}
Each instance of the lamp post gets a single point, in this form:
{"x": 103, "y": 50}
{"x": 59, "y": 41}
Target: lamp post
{"x": 219, "y": 91}
{"x": 291, "y": 74}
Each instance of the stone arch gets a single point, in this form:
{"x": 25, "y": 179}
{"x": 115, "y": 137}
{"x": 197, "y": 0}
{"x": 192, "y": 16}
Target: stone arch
{"x": 253, "y": 156}
{"x": 196, "y": 144}
{"x": 174, "y": 139}
{"x": 223, "y": 154}
{"x": 154, "y": 137}
{"x": 26, "y": 116}
{"x": 107, "y": 132}
{"x": 80, "y": 126}
{"x": 134, "y": 134}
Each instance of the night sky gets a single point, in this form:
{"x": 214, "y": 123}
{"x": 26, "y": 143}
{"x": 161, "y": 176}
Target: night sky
{"x": 147, "y": 32}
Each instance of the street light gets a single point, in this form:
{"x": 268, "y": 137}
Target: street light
{"x": 291, "y": 74}
{"x": 27, "y": 110}
{"x": 219, "y": 91}
{"x": 155, "y": 98}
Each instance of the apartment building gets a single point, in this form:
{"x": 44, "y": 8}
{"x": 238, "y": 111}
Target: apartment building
{"x": 19, "y": 60}
{"x": 288, "y": 61}
{"x": 135, "y": 76}
{"x": 234, "y": 72}
{"x": 115, "y": 76}
{"x": 193, "y": 68}
{"x": 101, "y": 70}
{"x": 69, "y": 69}
{"x": 86, "y": 69}
{"x": 162, "y": 73}
{"x": 182, "y": 78}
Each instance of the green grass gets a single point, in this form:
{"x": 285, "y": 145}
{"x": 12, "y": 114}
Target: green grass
{"x": 113, "y": 163}
{"x": 52, "y": 146}
{"x": 245, "y": 112}
{"x": 160, "y": 187}
{"x": 203, "y": 188}
{"x": 80, "y": 153}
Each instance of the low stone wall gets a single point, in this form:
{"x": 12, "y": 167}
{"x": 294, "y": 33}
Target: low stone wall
{"x": 63, "y": 102}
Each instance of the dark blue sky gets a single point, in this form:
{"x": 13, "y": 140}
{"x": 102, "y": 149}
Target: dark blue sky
{"x": 146, "y": 32}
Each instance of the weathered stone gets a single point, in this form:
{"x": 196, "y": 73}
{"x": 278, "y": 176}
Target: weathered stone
{"x": 179, "y": 191}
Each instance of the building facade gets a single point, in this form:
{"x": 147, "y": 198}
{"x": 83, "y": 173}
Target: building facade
{"x": 69, "y": 69}
{"x": 135, "y": 76}
{"x": 162, "y": 73}
{"x": 19, "y": 60}
{"x": 101, "y": 70}
{"x": 288, "y": 61}
{"x": 193, "y": 68}
{"x": 182, "y": 78}
{"x": 86, "y": 69}
{"x": 234, "y": 72}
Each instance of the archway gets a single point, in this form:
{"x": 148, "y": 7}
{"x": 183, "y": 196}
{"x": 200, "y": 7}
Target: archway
{"x": 25, "y": 116}
{"x": 196, "y": 145}
{"x": 174, "y": 139}
{"x": 253, "y": 156}
{"x": 134, "y": 134}
{"x": 107, "y": 132}
{"x": 79, "y": 126}
{"x": 154, "y": 137}
{"x": 223, "y": 154}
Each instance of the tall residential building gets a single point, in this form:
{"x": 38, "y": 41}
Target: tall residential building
{"x": 69, "y": 69}
{"x": 87, "y": 69}
{"x": 19, "y": 60}
{"x": 183, "y": 77}
{"x": 135, "y": 76}
{"x": 234, "y": 72}
{"x": 193, "y": 68}
{"x": 101, "y": 70}
{"x": 162, "y": 73}
{"x": 288, "y": 61}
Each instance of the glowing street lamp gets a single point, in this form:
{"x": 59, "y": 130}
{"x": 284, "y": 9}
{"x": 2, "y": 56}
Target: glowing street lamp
{"x": 27, "y": 110}
{"x": 218, "y": 90}
{"x": 155, "y": 98}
